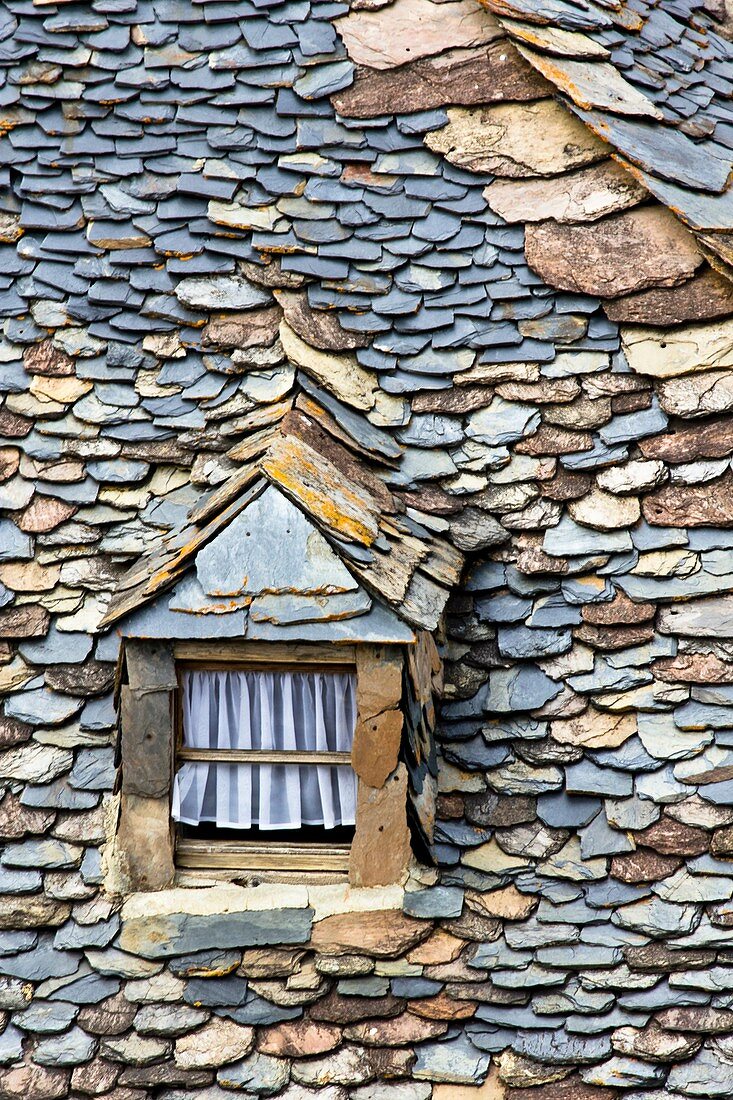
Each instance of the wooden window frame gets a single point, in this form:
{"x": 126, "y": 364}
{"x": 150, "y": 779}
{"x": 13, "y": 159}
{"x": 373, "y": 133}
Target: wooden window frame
{"x": 148, "y": 852}
{"x": 262, "y": 855}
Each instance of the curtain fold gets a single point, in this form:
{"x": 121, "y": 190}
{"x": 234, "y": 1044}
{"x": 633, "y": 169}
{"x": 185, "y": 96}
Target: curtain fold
{"x": 307, "y": 711}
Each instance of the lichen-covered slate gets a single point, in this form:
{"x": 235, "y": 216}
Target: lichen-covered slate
{"x": 238, "y": 259}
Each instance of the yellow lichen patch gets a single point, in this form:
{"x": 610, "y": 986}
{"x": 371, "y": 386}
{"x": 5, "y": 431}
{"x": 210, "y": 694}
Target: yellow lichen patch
{"x": 316, "y": 484}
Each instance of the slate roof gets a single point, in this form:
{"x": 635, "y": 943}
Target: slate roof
{"x": 657, "y": 87}
{"x": 399, "y": 559}
{"x": 224, "y": 234}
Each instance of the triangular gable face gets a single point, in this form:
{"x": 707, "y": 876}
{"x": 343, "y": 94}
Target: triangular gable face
{"x": 271, "y": 548}
{"x": 269, "y": 575}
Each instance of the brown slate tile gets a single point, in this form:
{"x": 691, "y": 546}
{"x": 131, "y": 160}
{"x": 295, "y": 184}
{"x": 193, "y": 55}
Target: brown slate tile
{"x": 44, "y": 358}
{"x": 383, "y": 933}
{"x": 44, "y": 514}
{"x": 18, "y": 821}
{"x": 620, "y": 611}
{"x": 460, "y": 78}
{"x": 707, "y": 505}
{"x": 572, "y": 1088}
{"x": 298, "y": 1039}
{"x": 614, "y": 637}
{"x": 594, "y": 258}
{"x": 658, "y": 956}
{"x": 703, "y": 297}
{"x": 688, "y": 442}
{"x": 673, "y": 838}
{"x": 337, "y": 1009}
{"x": 693, "y": 668}
{"x": 30, "y": 1082}
{"x": 401, "y": 1030}
{"x": 643, "y": 865}
{"x": 29, "y": 620}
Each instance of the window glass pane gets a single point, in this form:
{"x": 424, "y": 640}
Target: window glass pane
{"x": 303, "y": 711}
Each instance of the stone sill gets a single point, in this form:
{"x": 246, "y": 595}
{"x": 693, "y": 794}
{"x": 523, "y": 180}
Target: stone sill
{"x": 326, "y": 900}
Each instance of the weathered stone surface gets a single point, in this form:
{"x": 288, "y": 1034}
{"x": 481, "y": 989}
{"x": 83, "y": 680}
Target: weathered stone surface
{"x": 605, "y": 510}
{"x": 643, "y": 866}
{"x": 696, "y": 1018}
{"x": 97, "y": 1076}
{"x": 334, "y": 1008}
{"x": 699, "y": 618}
{"x": 143, "y": 848}
{"x": 253, "y": 328}
{"x": 318, "y": 328}
{"x": 112, "y": 1016}
{"x": 259, "y": 1074}
{"x": 661, "y": 957}
{"x": 221, "y": 292}
{"x": 713, "y": 439}
{"x": 461, "y": 77}
{"x": 338, "y": 371}
{"x": 34, "y": 1082}
{"x": 619, "y": 611}
{"x": 352, "y": 1065}
{"x": 25, "y": 621}
{"x": 17, "y": 820}
{"x": 595, "y": 729}
{"x": 214, "y": 1044}
{"x": 709, "y": 1073}
{"x": 635, "y": 477}
{"x": 527, "y": 140}
{"x": 179, "y": 933}
{"x": 403, "y": 1030}
{"x": 376, "y": 746}
{"x": 672, "y": 838}
{"x": 697, "y": 394}
{"x": 382, "y": 933}
{"x": 44, "y": 514}
{"x": 381, "y": 812}
{"x": 572, "y": 1088}
{"x": 146, "y": 722}
{"x": 710, "y": 504}
{"x": 581, "y": 196}
{"x": 706, "y": 296}
{"x": 45, "y": 358}
{"x": 507, "y": 903}
{"x": 410, "y": 29}
{"x": 298, "y": 1039}
{"x": 668, "y": 352}
{"x": 593, "y": 259}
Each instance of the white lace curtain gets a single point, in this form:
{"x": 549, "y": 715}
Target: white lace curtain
{"x": 307, "y": 711}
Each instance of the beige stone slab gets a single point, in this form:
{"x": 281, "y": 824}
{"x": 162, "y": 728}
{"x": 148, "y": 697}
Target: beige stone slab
{"x": 669, "y": 352}
{"x": 697, "y": 395}
{"x": 553, "y": 40}
{"x": 598, "y": 85}
{"x": 380, "y": 851}
{"x": 409, "y": 29}
{"x": 517, "y": 140}
{"x": 580, "y": 196}
{"x": 605, "y": 511}
{"x": 490, "y": 857}
{"x": 341, "y": 373}
{"x": 595, "y": 729}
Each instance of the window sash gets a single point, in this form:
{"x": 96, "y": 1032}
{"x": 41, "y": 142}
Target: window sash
{"x": 237, "y": 788}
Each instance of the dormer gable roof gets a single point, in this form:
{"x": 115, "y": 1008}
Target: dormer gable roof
{"x": 341, "y": 532}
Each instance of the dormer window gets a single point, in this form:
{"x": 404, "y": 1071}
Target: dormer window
{"x": 276, "y": 678}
